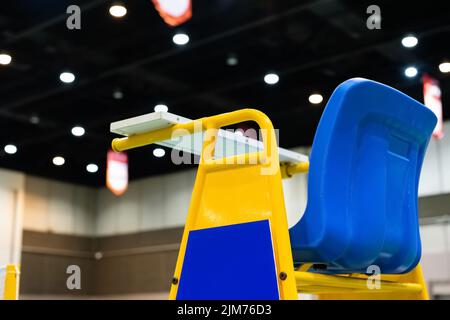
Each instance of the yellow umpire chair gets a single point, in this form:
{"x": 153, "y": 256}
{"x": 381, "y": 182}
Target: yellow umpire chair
{"x": 359, "y": 237}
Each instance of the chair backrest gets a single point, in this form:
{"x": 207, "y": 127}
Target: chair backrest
{"x": 363, "y": 181}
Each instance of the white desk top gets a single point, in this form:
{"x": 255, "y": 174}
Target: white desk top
{"x": 228, "y": 143}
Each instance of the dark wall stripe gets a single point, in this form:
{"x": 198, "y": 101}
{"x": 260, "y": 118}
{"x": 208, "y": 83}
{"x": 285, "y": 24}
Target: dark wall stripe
{"x": 133, "y": 263}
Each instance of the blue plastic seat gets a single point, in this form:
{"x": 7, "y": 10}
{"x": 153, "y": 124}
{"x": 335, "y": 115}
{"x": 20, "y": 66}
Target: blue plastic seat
{"x": 363, "y": 181}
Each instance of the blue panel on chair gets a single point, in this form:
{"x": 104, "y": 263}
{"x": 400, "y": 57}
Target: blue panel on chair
{"x": 230, "y": 262}
{"x": 363, "y": 181}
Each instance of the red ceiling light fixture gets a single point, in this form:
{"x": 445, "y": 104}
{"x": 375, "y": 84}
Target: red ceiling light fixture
{"x": 432, "y": 99}
{"x": 174, "y": 12}
{"x": 117, "y": 172}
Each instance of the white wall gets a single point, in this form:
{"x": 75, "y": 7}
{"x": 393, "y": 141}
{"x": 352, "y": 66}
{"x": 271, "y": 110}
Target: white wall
{"x": 435, "y": 177}
{"x": 436, "y": 256}
{"x": 52, "y": 206}
{"x": 151, "y": 203}
{"x": 11, "y": 216}
{"x": 295, "y": 193}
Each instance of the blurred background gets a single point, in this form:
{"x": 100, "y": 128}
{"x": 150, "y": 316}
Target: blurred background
{"x": 62, "y": 84}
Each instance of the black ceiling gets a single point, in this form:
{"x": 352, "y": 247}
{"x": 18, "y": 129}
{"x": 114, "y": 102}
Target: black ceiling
{"x": 312, "y": 45}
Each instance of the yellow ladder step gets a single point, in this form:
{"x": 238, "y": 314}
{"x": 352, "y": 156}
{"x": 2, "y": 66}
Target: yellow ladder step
{"x": 308, "y": 282}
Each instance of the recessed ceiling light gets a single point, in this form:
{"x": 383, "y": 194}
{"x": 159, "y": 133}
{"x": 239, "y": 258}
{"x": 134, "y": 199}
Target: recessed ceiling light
{"x": 444, "y": 67}
{"x": 411, "y": 72}
{"x": 180, "y": 39}
{"x": 10, "y": 149}
{"x": 409, "y": 41}
{"x": 159, "y": 152}
{"x": 92, "y": 168}
{"x": 315, "y": 98}
{"x": 118, "y": 11}
{"x": 34, "y": 119}
{"x": 232, "y": 60}
{"x": 271, "y": 78}
{"x": 117, "y": 94}
{"x": 58, "y": 161}
{"x": 78, "y": 131}
{"x": 67, "y": 77}
{"x": 161, "y": 108}
{"x": 5, "y": 59}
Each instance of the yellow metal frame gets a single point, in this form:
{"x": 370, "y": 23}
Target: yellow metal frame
{"x": 247, "y": 188}
{"x": 288, "y": 169}
{"x": 237, "y": 189}
{"x": 409, "y": 286}
{"x": 11, "y": 283}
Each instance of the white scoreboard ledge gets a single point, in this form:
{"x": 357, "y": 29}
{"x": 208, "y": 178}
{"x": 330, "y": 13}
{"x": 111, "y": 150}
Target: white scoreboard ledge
{"x": 228, "y": 143}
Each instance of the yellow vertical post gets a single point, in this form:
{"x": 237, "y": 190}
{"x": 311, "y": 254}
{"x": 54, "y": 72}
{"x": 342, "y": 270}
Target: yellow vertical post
{"x": 11, "y": 282}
